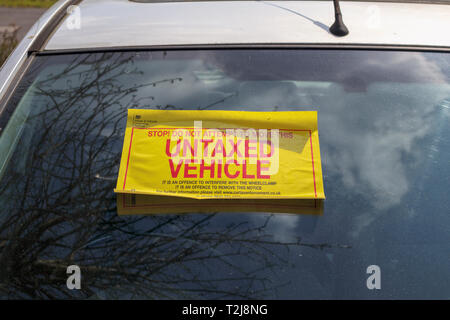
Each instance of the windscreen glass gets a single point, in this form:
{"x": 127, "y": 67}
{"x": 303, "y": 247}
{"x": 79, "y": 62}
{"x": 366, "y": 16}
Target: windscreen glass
{"x": 383, "y": 119}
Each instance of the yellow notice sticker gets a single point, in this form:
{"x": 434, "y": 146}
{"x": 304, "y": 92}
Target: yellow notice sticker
{"x": 221, "y": 155}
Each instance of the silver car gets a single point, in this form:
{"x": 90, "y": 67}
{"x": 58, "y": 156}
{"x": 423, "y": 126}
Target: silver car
{"x": 378, "y": 75}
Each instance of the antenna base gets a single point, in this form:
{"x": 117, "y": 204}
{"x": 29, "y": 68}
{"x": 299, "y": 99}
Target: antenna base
{"x": 338, "y": 28}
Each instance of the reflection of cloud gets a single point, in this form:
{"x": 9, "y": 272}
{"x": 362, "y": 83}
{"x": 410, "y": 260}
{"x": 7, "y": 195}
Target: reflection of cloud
{"x": 377, "y": 141}
{"x": 389, "y": 67}
{"x": 368, "y": 150}
{"x": 372, "y": 138}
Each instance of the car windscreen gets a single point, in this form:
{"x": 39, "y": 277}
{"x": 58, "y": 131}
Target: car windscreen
{"x": 383, "y": 119}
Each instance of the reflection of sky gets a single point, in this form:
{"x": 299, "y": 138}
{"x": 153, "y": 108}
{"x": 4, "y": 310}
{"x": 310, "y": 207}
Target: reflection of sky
{"x": 383, "y": 144}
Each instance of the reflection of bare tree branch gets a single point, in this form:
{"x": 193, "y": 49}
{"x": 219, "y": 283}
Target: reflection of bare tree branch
{"x": 59, "y": 208}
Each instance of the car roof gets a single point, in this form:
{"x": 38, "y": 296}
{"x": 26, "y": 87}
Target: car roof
{"x": 125, "y": 23}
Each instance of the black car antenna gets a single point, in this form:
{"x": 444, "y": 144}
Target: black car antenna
{"x": 338, "y": 28}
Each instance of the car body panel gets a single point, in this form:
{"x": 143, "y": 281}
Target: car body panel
{"x": 121, "y": 23}
{"x": 19, "y": 55}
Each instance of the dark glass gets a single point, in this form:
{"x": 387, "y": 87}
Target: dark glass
{"x": 384, "y": 139}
